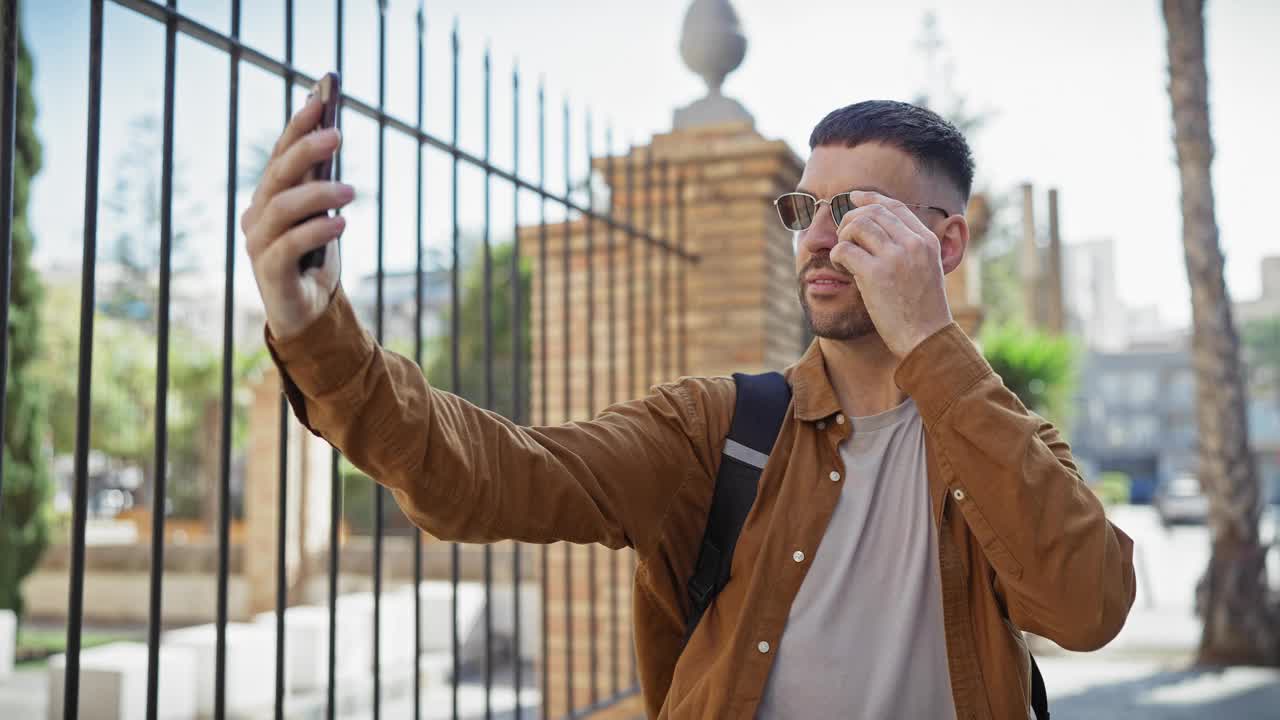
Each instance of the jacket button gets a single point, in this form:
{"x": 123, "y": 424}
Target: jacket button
{"x": 763, "y": 647}
{"x": 822, "y": 424}
{"x": 835, "y": 476}
{"x": 958, "y": 494}
{"x": 798, "y": 556}
{"x": 840, "y": 419}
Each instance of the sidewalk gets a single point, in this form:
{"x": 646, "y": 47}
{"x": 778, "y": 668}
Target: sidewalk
{"x": 1146, "y": 673}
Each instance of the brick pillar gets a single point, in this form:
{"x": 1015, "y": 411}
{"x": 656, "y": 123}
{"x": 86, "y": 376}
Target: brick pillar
{"x": 570, "y": 624}
{"x": 308, "y": 483}
{"x": 741, "y": 314}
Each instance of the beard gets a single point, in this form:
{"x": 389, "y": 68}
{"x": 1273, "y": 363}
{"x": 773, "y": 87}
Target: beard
{"x": 850, "y": 322}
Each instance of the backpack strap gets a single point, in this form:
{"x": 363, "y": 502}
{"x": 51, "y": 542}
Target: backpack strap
{"x": 759, "y": 410}
{"x": 1039, "y": 697}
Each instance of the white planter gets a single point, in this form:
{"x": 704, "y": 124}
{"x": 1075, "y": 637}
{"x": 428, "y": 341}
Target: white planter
{"x": 8, "y": 641}
{"x": 250, "y": 666}
{"x": 113, "y": 683}
{"x": 437, "y": 618}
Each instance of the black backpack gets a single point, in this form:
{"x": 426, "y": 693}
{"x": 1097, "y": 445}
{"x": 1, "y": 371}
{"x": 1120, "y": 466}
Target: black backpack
{"x": 757, "y": 417}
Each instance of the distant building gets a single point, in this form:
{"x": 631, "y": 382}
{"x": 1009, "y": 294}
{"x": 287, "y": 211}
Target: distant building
{"x": 195, "y": 301}
{"x": 1267, "y": 305}
{"x": 1092, "y": 295}
{"x": 1135, "y": 413}
{"x": 1094, "y": 311}
{"x": 398, "y": 303}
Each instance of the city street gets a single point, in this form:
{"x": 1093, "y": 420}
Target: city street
{"x": 1146, "y": 672}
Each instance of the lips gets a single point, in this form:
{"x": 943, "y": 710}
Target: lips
{"x": 826, "y": 280}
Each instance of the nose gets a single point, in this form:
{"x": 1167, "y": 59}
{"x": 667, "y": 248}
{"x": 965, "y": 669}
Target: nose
{"x": 821, "y": 235}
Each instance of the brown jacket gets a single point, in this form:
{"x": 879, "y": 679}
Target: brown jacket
{"x": 1023, "y": 543}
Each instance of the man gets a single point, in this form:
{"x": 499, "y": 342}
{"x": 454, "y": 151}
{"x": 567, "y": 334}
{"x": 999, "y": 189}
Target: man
{"x": 913, "y": 519}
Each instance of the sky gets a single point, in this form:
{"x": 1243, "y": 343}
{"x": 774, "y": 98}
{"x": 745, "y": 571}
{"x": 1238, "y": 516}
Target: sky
{"x": 1075, "y": 96}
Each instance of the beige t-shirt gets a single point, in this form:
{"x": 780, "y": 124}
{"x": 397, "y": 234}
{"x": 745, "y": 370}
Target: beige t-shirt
{"x": 865, "y": 637}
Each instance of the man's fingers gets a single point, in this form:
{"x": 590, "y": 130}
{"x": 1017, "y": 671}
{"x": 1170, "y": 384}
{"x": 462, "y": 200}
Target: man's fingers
{"x": 296, "y": 204}
{"x": 861, "y": 229}
{"x": 283, "y": 254}
{"x": 895, "y": 227}
{"x": 862, "y": 198}
{"x": 288, "y": 169}
{"x": 852, "y": 258}
{"x": 302, "y": 122}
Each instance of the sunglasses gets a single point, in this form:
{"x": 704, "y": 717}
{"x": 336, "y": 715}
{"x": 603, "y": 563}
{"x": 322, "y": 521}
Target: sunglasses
{"x": 797, "y": 210}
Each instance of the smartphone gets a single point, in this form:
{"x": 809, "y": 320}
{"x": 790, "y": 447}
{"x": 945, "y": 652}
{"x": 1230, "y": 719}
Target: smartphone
{"x": 329, "y": 90}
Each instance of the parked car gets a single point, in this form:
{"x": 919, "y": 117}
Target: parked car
{"x": 1180, "y": 500}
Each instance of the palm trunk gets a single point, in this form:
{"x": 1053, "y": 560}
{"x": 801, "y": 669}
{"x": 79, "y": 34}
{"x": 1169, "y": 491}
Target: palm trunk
{"x": 1239, "y": 627}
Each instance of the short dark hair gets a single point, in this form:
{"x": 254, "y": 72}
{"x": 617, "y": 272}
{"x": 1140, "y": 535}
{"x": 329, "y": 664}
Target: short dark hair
{"x": 935, "y": 144}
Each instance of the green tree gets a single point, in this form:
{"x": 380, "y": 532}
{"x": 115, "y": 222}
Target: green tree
{"x": 471, "y": 350}
{"x": 1038, "y": 367}
{"x": 131, "y": 224}
{"x": 122, "y": 405}
{"x": 24, "y": 521}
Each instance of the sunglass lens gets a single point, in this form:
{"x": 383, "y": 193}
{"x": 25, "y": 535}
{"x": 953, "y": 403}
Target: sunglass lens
{"x": 796, "y": 211}
{"x": 840, "y": 205}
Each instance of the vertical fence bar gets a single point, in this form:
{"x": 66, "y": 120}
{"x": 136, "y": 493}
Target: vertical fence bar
{"x": 568, "y": 406}
{"x": 488, "y": 375}
{"x": 632, "y": 375}
{"x": 544, "y": 396}
{"x": 80, "y": 495}
{"x": 161, "y": 475}
{"x": 632, "y": 361}
{"x": 455, "y": 319}
{"x": 649, "y": 250}
{"x": 517, "y": 369}
{"x": 228, "y": 361}
{"x": 684, "y": 275}
{"x": 378, "y": 493}
{"x": 335, "y": 471}
{"x": 417, "y": 358}
{"x": 282, "y": 588}
{"x": 664, "y": 265}
{"x": 592, "y": 645}
{"x": 610, "y": 275}
{"x": 9, "y": 121}
{"x": 282, "y": 506}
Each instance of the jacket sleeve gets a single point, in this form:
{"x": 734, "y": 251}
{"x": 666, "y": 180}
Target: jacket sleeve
{"x": 465, "y": 474}
{"x": 1066, "y": 573}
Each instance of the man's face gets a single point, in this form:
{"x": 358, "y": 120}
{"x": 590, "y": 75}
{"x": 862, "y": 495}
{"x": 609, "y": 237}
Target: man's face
{"x": 833, "y": 306}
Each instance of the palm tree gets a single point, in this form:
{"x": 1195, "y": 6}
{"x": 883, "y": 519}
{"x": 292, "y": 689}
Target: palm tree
{"x": 1239, "y": 625}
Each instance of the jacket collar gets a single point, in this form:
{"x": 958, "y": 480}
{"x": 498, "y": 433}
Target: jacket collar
{"x": 811, "y": 389}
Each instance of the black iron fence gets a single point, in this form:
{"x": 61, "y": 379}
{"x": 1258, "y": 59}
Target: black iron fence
{"x": 621, "y": 235}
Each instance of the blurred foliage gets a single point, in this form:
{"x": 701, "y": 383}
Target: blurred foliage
{"x": 36, "y": 645}
{"x": 122, "y": 397}
{"x": 131, "y": 223}
{"x": 1002, "y": 297}
{"x": 1038, "y": 367}
{"x": 471, "y": 342}
{"x": 122, "y": 412}
{"x": 996, "y": 234}
{"x": 1112, "y": 488}
{"x": 28, "y": 485}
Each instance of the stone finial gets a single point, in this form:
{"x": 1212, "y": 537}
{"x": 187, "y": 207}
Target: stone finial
{"x": 712, "y": 45}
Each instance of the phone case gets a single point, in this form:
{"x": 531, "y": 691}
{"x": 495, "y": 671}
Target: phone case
{"x": 329, "y": 90}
